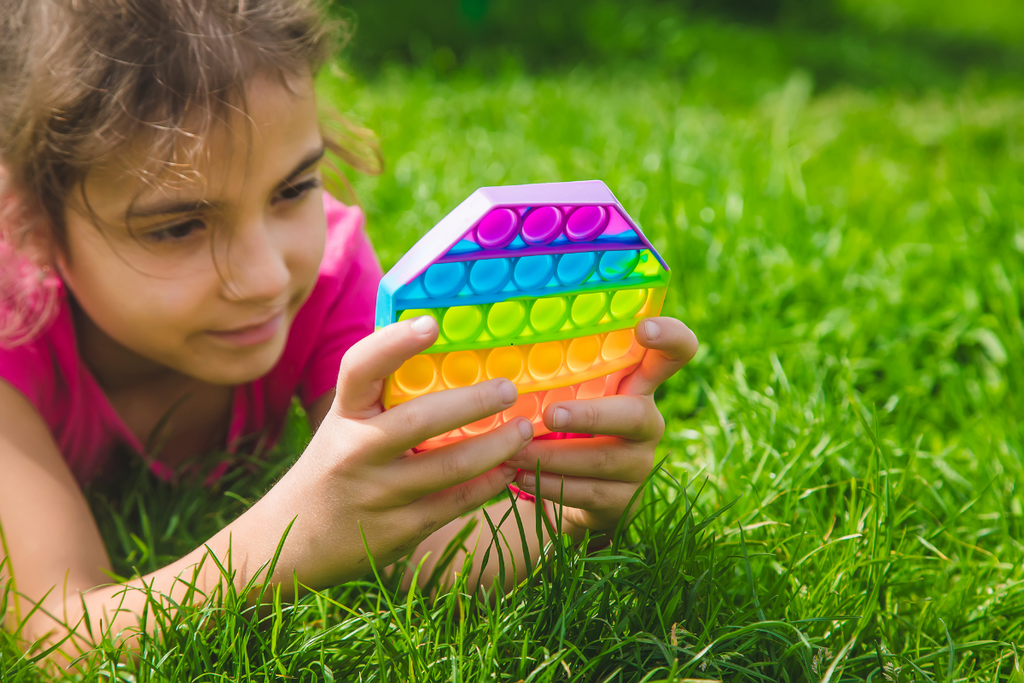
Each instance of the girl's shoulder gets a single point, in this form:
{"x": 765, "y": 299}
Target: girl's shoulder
{"x": 39, "y": 365}
{"x": 347, "y": 244}
{"x": 47, "y": 371}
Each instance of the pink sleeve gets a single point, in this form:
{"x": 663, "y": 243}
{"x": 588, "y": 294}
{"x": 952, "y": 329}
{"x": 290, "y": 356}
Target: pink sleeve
{"x": 31, "y": 370}
{"x": 349, "y": 313}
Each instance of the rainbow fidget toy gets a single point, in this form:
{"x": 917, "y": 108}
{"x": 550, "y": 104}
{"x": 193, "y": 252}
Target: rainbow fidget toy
{"x": 542, "y": 284}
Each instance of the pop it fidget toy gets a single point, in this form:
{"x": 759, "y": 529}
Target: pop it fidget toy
{"x": 542, "y": 284}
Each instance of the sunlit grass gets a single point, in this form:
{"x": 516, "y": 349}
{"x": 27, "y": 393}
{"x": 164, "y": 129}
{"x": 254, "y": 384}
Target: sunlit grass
{"x": 841, "y": 497}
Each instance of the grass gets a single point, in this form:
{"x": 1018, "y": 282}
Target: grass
{"x": 842, "y": 492}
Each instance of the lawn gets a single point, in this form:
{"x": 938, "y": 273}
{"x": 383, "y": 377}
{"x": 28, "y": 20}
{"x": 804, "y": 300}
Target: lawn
{"x": 842, "y": 491}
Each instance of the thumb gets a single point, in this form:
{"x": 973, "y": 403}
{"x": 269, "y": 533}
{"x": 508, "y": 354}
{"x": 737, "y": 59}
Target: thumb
{"x": 372, "y": 359}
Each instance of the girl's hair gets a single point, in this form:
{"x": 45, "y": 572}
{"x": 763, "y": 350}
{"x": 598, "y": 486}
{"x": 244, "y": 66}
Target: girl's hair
{"x": 83, "y": 82}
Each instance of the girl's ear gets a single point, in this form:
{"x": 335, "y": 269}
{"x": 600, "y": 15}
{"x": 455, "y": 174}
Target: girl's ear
{"x": 40, "y": 251}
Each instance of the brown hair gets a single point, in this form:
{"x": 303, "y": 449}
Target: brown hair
{"x": 82, "y": 81}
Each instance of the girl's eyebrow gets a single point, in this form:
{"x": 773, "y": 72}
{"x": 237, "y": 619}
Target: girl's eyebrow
{"x": 306, "y": 162}
{"x": 174, "y": 207}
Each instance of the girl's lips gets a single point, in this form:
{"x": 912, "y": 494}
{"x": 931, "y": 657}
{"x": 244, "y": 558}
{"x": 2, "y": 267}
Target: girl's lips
{"x": 250, "y": 336}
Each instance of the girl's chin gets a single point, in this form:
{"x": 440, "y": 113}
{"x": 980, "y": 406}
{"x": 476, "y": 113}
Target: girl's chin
{"x": 245, "y": 364}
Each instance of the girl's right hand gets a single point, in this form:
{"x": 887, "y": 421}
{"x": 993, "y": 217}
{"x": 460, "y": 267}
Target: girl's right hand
{"x": 359, "y": 476}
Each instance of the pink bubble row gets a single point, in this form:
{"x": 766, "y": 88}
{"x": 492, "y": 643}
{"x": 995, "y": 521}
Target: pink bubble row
{"x": 532, "y": 407}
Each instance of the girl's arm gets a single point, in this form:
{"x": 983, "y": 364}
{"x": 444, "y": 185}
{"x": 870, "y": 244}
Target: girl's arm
{"x": 47, "y": 532}
{"x": 54, "y": 553}
{"x": 354, "y": 478}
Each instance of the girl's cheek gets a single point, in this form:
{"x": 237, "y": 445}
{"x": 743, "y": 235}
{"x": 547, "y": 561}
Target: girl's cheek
{"x": 311, "y": 237}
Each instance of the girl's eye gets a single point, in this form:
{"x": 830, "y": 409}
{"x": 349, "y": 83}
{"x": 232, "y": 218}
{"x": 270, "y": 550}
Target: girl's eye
{"x": 176, "y": 233}
{"x": 292, "y": 192}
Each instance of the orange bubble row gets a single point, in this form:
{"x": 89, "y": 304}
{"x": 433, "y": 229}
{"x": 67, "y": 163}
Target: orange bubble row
{"x": 530, "y": 406}
{"x": 533, "y": 367}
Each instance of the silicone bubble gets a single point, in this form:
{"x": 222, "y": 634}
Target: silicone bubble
{"x": 444, "y": 279}
{"x": 559, "y": 394}
{"x": 585, "y": 223}
{"x": 482, "y": 426}
{"x": 545, "y": 360}
{"x": 549, "y": 313}
{"x": 506, "y": 319}
{"x": 416, "y": 375}
{"x": 505, "y": 361}
{"x": 462, "y": 322}
{"x": 489, "y": 275}
{"x": 617, "y": 344}
{"x": 528, "y": 406}
{"x": 416, "y": 313}
{"x": 497, "y": 228}
{"x": 542, "y": 225}
{"x": 595, "y": 388}
{"x": 616, "y": 265}
{"x": 627, "y": 302}
{"x": 587, "y": 309}
{"x": 574, "y": 269}
{"x": 648, "y": 265}
{"x": 439, "y": 440}
{"x": 582, "y": 353}
{"x": 533, "y": 272}
{"x": 461, "y": 368}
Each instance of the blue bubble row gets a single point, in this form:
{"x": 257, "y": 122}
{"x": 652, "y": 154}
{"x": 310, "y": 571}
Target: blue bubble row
{"x": 490, "y": 280}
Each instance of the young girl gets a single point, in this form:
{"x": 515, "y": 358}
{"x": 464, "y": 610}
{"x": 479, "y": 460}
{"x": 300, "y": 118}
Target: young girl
{"x": 168, "y": 251}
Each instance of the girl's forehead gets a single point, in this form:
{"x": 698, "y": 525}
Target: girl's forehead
{"x": 257, "y": 141}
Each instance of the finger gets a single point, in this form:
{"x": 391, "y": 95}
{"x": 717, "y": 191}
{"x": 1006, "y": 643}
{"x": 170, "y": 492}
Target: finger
{"x": 631, "y": 417}
{"x": 458, "y": 500}
{"x": 585, "y": 493}
{"x": 441, "y": 468}
{"x": 425, "y": 417}
{"x": 671, "y": 345}
{"x": 372, "y": 359}
{"x": 603, "y": 457}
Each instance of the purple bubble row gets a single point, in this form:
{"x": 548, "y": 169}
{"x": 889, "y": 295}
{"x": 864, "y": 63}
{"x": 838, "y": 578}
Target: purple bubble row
{"x": 541, "y": 225}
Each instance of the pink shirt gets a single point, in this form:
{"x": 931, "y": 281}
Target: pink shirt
{"x": 339, "y": 312}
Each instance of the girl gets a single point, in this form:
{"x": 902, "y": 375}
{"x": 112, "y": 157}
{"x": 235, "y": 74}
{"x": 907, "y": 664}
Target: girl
{"x": 167, "y": 250}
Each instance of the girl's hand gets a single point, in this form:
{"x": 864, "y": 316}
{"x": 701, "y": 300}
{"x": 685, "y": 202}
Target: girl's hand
{"x": 358, "y": 475}
{"x": 595, "y": 478}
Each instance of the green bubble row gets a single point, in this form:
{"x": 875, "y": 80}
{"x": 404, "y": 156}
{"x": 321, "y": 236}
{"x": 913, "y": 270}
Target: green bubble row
{"x": 518, "y": 320}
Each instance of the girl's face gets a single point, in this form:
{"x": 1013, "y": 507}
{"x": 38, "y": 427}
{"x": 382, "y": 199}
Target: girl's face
{"x": 203, "y": 273}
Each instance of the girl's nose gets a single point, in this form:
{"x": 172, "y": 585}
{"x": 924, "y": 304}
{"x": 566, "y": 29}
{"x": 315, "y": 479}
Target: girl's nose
{"x": 257, "y": 264}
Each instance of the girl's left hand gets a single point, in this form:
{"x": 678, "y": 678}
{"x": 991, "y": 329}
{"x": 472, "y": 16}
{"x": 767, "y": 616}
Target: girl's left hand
{"x": 595, "y": 478}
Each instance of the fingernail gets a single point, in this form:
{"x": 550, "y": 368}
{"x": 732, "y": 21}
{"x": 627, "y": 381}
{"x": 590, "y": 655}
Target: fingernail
{"x": 508, "y": 392}
{"x": 560, "y": 418}
{"x": 526, "y": 429}
{"x": 652, "y": 329}
{"x": 529, "y": 480}
{"x": 423, "y": 324}
{"x": 509, "y": 471}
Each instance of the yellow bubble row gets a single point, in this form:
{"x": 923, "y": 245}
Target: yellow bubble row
{"x": 530, "y": 406}
{"x": 533, "y": 367}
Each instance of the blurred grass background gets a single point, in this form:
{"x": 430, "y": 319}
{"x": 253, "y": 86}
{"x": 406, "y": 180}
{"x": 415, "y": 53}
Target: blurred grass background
{"x": 837, "y": 187}
{"x": 865, "y": 42}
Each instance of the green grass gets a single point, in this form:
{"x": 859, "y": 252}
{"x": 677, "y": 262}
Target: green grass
{"x": 842, "y": 496}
